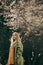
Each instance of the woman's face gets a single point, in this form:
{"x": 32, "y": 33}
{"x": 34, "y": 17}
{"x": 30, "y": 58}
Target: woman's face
{"x": 14, "y": 37}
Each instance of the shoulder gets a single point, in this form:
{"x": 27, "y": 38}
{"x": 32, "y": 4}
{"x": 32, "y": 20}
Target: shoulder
{"x": 20, "y": 44}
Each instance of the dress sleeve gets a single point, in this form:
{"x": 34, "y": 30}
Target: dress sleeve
{"x": 20, "y": 49}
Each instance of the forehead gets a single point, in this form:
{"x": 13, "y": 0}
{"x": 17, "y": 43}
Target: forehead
{"x": 14, "y": 34}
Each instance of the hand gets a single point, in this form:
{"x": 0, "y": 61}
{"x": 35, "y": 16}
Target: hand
{"x": 11, "y": 40}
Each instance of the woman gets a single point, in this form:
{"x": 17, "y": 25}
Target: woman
{"x": 16, "y": 50}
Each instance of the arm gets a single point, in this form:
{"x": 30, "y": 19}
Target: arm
{"x": 20, "y": 49}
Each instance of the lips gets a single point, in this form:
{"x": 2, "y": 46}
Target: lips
{"x": 13, "y": 39}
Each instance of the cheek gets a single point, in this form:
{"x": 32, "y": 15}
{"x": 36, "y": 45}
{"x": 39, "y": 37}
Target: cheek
{"x": 14, "y": 37}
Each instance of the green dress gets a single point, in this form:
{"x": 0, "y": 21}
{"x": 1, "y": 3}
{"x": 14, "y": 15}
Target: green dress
{"x": 18, "y": 49}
